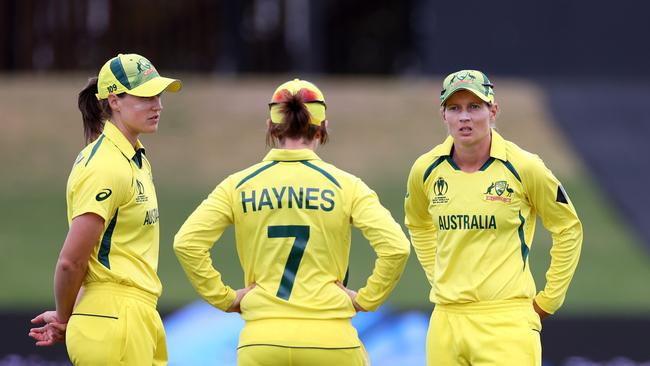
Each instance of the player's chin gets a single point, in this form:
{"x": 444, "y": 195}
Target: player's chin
{"x": 152, "y": 126}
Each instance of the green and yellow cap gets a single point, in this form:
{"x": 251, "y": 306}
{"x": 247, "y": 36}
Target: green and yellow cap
{"x": 311, "y": 96}
{"x": 134, "y": 75}
{"x": 472, "y": 80}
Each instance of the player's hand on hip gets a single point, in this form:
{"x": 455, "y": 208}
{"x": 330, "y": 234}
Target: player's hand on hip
{"x": 51, "y": 333}
{"x": 542, "y": 314}
{"x": 235, "y": 307}
{"x": 353, "y": 296}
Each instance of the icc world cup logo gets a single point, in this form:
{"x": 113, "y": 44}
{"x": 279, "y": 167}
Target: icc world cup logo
{"x": 440, "y": 187}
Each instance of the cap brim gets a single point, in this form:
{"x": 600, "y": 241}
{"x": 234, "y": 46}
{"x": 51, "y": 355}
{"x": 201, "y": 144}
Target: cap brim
{"x": 483, "y": 97}
{"x": 156, "y": 86}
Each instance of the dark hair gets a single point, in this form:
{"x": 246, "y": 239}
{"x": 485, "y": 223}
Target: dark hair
{"x": 295, "y": 123}
{"x": 93, "y": 112}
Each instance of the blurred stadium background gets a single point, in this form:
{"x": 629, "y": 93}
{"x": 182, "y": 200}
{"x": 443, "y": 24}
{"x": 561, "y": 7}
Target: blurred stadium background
{"x": 569, "y": 78}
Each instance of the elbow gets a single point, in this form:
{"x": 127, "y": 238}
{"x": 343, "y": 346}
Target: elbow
{"x": 406, "y": 249}
{"x": 67, "y": 265}
{"x": 402, "y": 251}
{"x": 178, "y": 245}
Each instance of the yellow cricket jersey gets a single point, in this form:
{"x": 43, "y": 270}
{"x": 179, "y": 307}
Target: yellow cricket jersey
{"x": 472, "y": 231}
{"x": 111, "y": 179}
{"x": 293, "y": 215}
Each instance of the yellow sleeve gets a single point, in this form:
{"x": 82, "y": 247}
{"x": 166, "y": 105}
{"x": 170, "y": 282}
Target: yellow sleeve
{"x": 100, "y": 189}
{"x": 419, "y": 223}
{"x": 388, "y": 241}
{"x": 196, "y": 237}
{"x": 559, "y": 217}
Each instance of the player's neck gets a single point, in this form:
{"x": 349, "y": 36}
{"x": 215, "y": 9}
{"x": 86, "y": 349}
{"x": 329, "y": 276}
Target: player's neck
{"x": 295, "y": 144}
{"x": 471, "y": 158}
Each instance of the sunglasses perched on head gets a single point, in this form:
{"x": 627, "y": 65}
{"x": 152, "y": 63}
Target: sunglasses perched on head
{"x": 310, "y": 101}
{"x": 308, "y": 96}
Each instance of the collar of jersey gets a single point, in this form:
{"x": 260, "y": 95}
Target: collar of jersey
{"x": 117, "y": 138}
{"x": 291, "y": 155}
{"x": 497, "y": 148}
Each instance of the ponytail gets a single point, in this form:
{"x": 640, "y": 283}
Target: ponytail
{"x": 295, "y": 123}
{"x": 93, "y": 112}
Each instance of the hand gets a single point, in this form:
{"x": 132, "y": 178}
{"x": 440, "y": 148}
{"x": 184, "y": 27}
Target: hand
{"x": 51, "y": 333}
{"x": 353, "y": 296}
{"x": 234, "y": 308}
{"x": 542, "y": 314}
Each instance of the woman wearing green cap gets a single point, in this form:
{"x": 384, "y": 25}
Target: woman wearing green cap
{"x": 471, "y": 207}
{"x": 292, "y": 214}
{"x": 105, "y": 282}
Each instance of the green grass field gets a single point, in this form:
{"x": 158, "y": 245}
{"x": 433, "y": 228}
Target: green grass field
{"x": 216, "y": 126}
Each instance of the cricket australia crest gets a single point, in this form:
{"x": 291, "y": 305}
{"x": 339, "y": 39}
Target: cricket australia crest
{"x": 499, "y": 191}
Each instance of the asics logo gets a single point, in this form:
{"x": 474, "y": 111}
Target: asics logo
{"x": 104, "y": 194}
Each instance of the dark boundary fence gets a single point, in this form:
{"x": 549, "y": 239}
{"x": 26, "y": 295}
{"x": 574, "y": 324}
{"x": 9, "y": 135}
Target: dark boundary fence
{"x": 566, "y": 341}
{"x": 553, "y": 37}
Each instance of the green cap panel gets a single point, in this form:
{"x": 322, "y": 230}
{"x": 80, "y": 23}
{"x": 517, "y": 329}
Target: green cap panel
{"x": 471, "y": 80}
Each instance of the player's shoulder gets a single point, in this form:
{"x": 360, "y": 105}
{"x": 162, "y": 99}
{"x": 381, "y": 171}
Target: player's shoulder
{"x": 331, "y": 172}
{"x": 427, "y": 161}
{"x": 427, "y": 158}
{"x": 240, "y": 177}
{"x": 524, "y": 162}
{"x": 101, "y": 158}
{"x": 523, "y": 157}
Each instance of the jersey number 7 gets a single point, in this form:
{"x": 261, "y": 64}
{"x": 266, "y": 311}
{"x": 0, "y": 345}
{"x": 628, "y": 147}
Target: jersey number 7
{"x": 301, "y": 233}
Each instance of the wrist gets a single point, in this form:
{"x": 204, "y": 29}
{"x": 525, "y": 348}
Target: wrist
{"x": 61, "y": 318}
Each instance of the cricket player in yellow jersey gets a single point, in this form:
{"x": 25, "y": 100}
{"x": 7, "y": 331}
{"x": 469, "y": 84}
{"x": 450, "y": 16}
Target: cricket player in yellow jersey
{"x": 105, "y": 283}
{"x": 471, "y": 206}
{"x": 292, "y": 214}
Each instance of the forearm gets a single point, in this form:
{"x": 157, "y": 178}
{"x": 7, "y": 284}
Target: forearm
{"x": 72, "y": 265}
{"x": 387, "y": 272}
{"x": 565, "y": 254}
{"x": 205, "y": 279}
{"x": 68, "y": 278}
{"x": 194, "y": 240}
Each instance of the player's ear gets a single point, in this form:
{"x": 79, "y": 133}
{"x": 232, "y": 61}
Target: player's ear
{"x": 494, "y": 110}
{"x": 113, "y": 102}
{"x": 442, "y": 114}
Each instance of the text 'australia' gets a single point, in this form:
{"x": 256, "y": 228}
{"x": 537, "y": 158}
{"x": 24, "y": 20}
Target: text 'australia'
{"x": 151, "y": 217}
{"x": 467, "y": 222}
{"x": 308, "y": 198}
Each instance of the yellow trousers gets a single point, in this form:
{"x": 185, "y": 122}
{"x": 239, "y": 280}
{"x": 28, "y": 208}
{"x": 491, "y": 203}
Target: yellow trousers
{"x": 491, "y": 333}
{"x": 300, "y": 342}
{"x": 116, "y": 325}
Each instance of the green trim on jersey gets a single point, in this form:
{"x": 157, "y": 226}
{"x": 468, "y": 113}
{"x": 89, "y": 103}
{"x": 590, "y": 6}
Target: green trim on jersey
{"x": 105, "y": 246}
{"x": 452, "y": 162}
{"x": 512, "y": 169}
{"x": 522, "y": 238}
{"x": 94, "y": 150}
{"x": 487, "y": 164}
{"x": 427, "y": 173}
{"x": 322, "y": 171}
{"x": 258, "y": 171}
{"x": 137, "y": 158}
